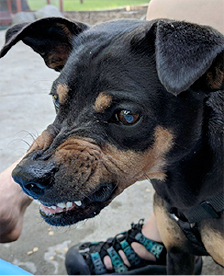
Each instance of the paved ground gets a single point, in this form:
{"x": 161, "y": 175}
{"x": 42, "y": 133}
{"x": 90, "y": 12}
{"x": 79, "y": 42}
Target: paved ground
{"x": 25, "y": 110}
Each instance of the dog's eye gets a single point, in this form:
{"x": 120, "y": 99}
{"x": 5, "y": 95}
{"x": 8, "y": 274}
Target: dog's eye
{"x": 56, "y": 102}
{"x": 127, "y": 117}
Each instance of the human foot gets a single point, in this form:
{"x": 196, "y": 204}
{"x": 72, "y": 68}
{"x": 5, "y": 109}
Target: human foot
{"x": 150, "y": 231}
{"x": 118, "y": 255}
{"x": 92, "y": 258}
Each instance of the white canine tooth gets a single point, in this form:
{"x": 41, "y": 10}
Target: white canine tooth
{"x": 61, "y": 205}
{"x": 53, "y": 207}
{"x": 68, "y": 204}
{"x": 78, "y": 203}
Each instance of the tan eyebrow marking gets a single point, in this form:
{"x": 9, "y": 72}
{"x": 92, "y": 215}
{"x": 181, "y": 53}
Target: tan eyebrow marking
{"x": 103, "y": 101}
{"x": 62, "y": 91}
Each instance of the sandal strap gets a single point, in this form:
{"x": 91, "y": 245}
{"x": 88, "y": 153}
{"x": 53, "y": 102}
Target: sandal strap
{"x": 99, "y": 267}
{"x": 107, "y": 249}
{"x": 132, "y": 257}
{"x": 98, "y": 250}
{"x": 153, "y": 247}
{"x": 156, "y": 248}
{"x": 116, "y": 260}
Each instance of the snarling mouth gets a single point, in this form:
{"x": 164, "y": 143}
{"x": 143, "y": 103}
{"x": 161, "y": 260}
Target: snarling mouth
{"x": 70, "y": 212}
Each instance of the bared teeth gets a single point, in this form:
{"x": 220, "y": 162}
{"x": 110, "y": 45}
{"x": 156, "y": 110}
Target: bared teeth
{"x": 61, "y": 205}
{"x": 69, "y": 204}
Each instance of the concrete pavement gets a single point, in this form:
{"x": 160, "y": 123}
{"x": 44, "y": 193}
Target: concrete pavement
{"x": 25, "y": 110}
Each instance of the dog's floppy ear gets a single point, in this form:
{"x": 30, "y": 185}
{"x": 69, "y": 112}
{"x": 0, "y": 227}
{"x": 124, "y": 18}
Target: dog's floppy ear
{"x": 184, "y": 52}
{"x": 50, "y": 37}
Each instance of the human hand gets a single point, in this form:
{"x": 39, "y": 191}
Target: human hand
{"x": 13, "y": 203}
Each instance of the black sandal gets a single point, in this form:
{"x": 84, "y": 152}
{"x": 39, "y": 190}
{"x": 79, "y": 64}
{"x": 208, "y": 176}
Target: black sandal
{"x": 87, "y": 258}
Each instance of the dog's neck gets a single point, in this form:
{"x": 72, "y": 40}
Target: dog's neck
{"x": 199, "y": 176}
{"x": 214, "y": 179}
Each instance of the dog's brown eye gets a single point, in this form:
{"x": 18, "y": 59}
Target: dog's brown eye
{"x": 127, "y": 117}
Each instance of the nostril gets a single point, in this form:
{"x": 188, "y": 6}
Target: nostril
{"x": 35, "y": 177}
{"x": 34, "y": 189}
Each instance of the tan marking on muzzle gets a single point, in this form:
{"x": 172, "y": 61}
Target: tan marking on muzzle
{"x": 42, "y": 142}
{"x": 62, "y": 91}
{"x": 133, "y": 166}
{"x": 87, "y": 165}
{"x": 79, "y": 160}
{"x": 103, "y": 101}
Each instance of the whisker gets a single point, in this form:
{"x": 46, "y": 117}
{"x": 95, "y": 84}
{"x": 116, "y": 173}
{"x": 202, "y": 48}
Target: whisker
{"x": 27, "y": 134}
{"x": 114, "y": 188}
{"x": 19, "y": 140}
{"x": 147, "y": 177}
{"x": 31, "y": 135}
{"x": 84, "y": 195}
{"x": 20, "y": 149}
{"x": 36, "y": 133}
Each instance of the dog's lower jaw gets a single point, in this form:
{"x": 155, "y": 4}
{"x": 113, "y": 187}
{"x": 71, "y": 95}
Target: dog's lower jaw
{"x": 72, "y": 216}
{"x": 64, "y": 214}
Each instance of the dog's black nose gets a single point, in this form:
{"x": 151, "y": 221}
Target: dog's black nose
{"x": 34, "y": 176}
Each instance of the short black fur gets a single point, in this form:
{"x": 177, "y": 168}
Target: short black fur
{"x": 157, "y": 69}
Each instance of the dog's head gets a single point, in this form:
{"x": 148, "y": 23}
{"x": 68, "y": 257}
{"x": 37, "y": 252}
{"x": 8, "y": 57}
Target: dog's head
{"x": 129, "y": 101}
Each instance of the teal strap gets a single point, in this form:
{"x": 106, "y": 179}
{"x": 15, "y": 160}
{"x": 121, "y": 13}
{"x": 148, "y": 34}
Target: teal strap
{"x": 132, "y": 257}
{"x": 94, "y": 243}
{"x": 98, "y": 264}
{"x": 152, "y": 246}
{"x": 116, "y": 260}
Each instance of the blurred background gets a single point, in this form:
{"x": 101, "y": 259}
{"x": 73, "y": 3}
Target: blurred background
{"x": 26, "y": 109}
{"x": 14, "y": 11}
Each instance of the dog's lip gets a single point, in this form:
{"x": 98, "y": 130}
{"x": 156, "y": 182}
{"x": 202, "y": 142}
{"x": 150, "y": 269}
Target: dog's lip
{"x": 102, "y": 195}
{"x": 59, "y": 208}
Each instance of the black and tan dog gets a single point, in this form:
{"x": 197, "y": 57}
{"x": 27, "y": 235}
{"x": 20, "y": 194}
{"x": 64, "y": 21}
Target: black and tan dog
{"x": 134, "y": 100}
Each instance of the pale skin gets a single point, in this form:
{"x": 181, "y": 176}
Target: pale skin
{"x": 13, "y": 204}
{"x": 150, "y": 231}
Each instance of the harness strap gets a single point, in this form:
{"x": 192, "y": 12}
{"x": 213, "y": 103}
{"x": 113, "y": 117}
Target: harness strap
{"x": 207, "y": 209}
{"x": 192, "y": 234}
{"x": 188, "y": 220}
